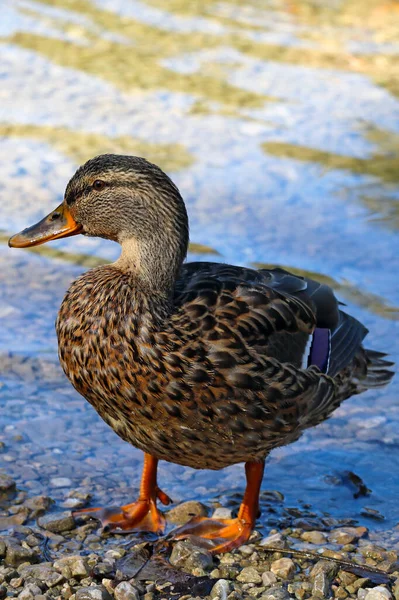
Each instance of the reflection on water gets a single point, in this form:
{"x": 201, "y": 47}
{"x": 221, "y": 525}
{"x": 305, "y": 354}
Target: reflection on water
{"x": 279, "y": 121}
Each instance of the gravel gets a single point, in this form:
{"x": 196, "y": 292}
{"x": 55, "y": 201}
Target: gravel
{"x": 60, "y": 559}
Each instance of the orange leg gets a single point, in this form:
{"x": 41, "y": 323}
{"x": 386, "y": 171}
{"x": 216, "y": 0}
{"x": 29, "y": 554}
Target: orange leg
{"x": 141, "y": 515}
{"x": 226, "y": 534}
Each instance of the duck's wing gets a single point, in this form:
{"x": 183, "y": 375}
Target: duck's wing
{"x": 293, "y": 319}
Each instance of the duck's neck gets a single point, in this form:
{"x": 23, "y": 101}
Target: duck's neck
{"x": 153, "y": 265}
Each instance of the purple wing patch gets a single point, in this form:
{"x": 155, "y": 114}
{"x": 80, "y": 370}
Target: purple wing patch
{"x": 320, "y": 349}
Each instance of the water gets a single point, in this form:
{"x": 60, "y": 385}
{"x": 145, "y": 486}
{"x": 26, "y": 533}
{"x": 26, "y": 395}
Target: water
{"x": 279, "y": 121}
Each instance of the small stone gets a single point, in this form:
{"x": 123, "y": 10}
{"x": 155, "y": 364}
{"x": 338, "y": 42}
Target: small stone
{"x": 7, "y": 484}
{"x": 339, "y": 536}
{"x": 283, "y": 568}
{"x": 249, "y": 575}
{"x": 268, "y": 578}
{"x": 321, "y": 585}
{"x": 185, "y": 554}
{"x": 246, "y": 550}
{"x": 314, "y": 537}
{"x": 276, "y": 593}
{"x": 72, "y": 566}
{"x": 29, "y": 592}
{"x": 273, "y": 541}
{"x": 3, "y": 592}
{"x": 378, "y": 593}
{"x": 324, "y": 566}
{"x": 57, "y": 523}
{"x": 16, "y": 582}
{"x": 95, "y": 592}
{"x": 16, "y": 554}
{"x": 221, "y": 589}
{"x": 125, "y": 591}
{"x": 60, "y": 482}
{"x": 38, "y": 505}
{"x": 182, "y": 513}
{"x": 222, "y": 513}
{"x": 43, "y": 572}
{"x": 340, "y": 592}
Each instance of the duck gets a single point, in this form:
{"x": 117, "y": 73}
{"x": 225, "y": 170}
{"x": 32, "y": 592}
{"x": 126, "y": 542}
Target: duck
{"x": 201, "y": 364}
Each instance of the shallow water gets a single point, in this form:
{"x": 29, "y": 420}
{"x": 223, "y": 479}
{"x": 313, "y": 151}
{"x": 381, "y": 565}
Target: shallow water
{"x": 279, "y": 121}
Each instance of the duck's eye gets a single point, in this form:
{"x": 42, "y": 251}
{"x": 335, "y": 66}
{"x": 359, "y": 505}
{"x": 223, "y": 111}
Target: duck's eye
{"x": 98, "y": 185}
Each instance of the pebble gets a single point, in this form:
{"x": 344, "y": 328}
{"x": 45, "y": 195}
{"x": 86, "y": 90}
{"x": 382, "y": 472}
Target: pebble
{"x": 182, "y": 513}
{"x": 378, "y": 593}
{"x": 222, "y": 513}
{"x": 314, "y": 537}
{"x": 283, "y": 568}
{"x": 185, "y": 554}
{"x": 329, "y": 568}
{"x": 321, "y": 585}
{"x": 57, "y": 523}
{"x": 29, "y": 592}
{"x": 276, "y": 593}
{"x": 221, "y": 589}
{"x": 125, "y": 591}
{"x": 72, "y": 566}
{"x": 16, "y": 554}
{"x": 94, "y": 592}
{"x": 273, "y": 541}
{"x": 7, "y": 484}
{"x": 60, "y": 482}
{"x": 249, "y": 575}
{"x": 268, "y": 578}
{"x": 43, "y": 572}
{"x": 340, "y": 536}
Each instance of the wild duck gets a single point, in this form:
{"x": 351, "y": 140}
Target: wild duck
{"x": 200, "y": 364}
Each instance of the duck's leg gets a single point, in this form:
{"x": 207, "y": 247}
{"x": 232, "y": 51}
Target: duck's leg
{"x": 141, "y": 515}
{"x": 226, "y": 534}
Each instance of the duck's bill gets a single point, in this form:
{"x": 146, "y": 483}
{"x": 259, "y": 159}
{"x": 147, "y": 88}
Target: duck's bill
{"x": 58, "y": 224}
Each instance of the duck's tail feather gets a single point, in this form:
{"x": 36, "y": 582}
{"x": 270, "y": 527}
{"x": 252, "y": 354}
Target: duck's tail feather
{"x": 377, "y": 372}
{"x": 369, "y": 369}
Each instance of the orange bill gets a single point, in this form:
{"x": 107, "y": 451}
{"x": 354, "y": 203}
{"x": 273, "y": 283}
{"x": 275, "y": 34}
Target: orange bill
{"x": 58, "y": 224}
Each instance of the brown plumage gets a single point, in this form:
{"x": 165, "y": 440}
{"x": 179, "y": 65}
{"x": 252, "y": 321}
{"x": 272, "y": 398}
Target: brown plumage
{"x": 201, "y": 364}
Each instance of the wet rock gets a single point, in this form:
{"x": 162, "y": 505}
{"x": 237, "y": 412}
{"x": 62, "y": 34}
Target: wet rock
{"x": 314, "y": 537}
{"x": 60, "y": 482}
{"x": 321, "y": 585}
{"x": 346, "y": 535}
{"x": 273, "y": 541}
{"x": 16, "y": 554}
{"x": 19, "y": 518}
{"x": 329, "y": 568}
{"x": 283, "y": 568}
{"x": 57, "y": 523}
{"x": 38, "y": 505}
{"x": 221, "y": 590}
{"x": 95, "y": 592}
{"x": 125, "y": 591}
{"x": 3, "y": 592}
{"x": 43, "y": 572}
{"x": 249, "y": 575}
{"x": 185, "y": 554}
{"x": 182, "y": 513}
{"x": 72, "y": 566}
{"x": 378, "y": 593}
{"x": 276, "y": 593}
{"x": 7, "y": 484}
{"x": 222, "y": 513}
{"x": 268, "y": 578}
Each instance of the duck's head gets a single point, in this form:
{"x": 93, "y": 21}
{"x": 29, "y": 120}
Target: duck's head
{"x": 128, "y": 200}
